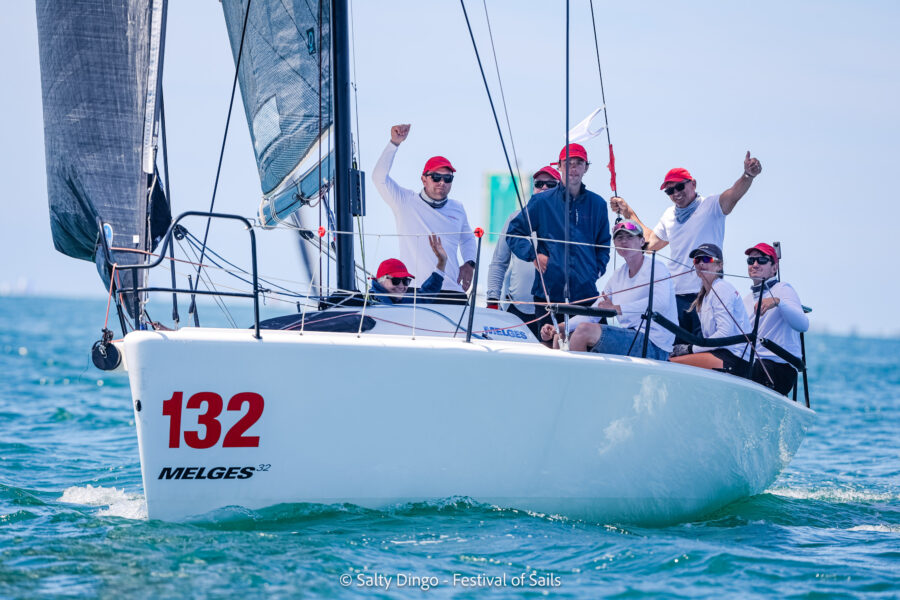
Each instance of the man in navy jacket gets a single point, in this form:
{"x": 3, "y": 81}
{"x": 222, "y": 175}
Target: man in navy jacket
{"x": 588, "y": 224}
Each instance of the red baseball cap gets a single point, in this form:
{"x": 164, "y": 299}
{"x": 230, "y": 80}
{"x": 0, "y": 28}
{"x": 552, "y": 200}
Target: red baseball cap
{"x": 765, "y": 249}
{"x": 677, "y": 174}
{"x": 436, "y": 162}
{"x": 549, "y": 171}
{"x": 575, "y": 151}
{"x": 392, "y": 267}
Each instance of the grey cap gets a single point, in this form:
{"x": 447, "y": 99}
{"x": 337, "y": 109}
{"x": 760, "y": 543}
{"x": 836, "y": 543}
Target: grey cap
{"x": 707, "y": 250}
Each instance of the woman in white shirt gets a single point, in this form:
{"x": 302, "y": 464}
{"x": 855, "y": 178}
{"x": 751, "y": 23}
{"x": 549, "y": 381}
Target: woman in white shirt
{"x": 722, "y": 314}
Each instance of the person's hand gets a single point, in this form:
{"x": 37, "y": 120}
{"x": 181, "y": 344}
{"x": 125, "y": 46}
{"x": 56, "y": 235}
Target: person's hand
{"x": 768, "y": 304}
{"x": 547, "y": 332}
{"x": 618, "y": 205}
{"x": 752, "y": 166}
{"x": 681, "y": 350}
{"x": 399, "y": 133}
{"x": 438, "y": 249}
{"x": 541, "y": 262}
{"x": 605, "y": 303}
{"x": 465, "y": 275}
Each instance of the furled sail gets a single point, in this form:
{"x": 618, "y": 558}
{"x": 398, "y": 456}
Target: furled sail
{"x": 100, "y": 73}
{"x": 285, "y": 78}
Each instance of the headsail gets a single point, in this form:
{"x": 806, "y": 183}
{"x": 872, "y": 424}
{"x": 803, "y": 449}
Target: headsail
{"x": 100, "y": 75}
{"x": 285, "y": 78}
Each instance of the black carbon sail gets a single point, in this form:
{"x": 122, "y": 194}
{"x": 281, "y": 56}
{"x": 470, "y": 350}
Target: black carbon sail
{"x": 101, "y": 66}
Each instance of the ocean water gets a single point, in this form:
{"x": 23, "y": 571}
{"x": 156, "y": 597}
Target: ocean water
{"x": 73, "y": 521}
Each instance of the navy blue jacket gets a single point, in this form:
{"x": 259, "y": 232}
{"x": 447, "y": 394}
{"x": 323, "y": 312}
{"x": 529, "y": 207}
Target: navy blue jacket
{"x": 424, "y": 294}
{"x": 588, "y": 223}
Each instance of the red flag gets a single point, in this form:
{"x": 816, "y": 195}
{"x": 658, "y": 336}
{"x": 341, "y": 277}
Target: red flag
{"x": 612, "y": 170}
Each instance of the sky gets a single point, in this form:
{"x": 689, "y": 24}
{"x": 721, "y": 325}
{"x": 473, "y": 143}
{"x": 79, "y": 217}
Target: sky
{"x": 809, "y": 87}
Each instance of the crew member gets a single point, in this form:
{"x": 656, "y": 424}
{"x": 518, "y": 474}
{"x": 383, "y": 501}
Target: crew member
{"x": 429, "y": 211}
{"x": 692, "y": 220}
{"x": 781, "y": 319}
{"x": 391, "y": 282}
{"x": 722, "y": 314}
{"x": 510, "y": 272}
{"x": 588, "y": 231}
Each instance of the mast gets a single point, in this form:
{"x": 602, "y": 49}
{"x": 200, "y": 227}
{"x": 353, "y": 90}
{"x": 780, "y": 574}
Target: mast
{"x": 340, "y": 60}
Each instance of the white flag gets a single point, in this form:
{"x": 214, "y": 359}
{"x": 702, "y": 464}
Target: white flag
{"x": 583, "y": 132}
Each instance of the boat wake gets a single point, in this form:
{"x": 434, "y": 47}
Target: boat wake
{"x": 118, "y": 503}
{"x": 835, "y": 494}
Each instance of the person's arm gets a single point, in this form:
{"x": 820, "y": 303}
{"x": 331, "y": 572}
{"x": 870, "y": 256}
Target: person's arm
{"x": 725, "y": 326}
{"x": 521, "y": 246}
{"x": 433, "y": 284}
{"x": 498, "y": 268}
{"x": 790, "y": 309}
{"x": 390, "y": 190}
{"x": 729, "y": 198}
{"x": 468, "y": 248}
{"x": 603, "y": 240}
{"x": 654, "y": 242}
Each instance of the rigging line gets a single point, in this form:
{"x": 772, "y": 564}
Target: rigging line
{"x": 206, "y": 283}
{"x": 603, "y": 97}
{"x": 359, "y": 219}
{"x": 212, "y": 202}
{"x": 487, "y": 89}
{"x": 512, "y": 143}
{"x": 210, "y": 286}
{"x": 319, "y": 165}
{"x": 568, "y": 191}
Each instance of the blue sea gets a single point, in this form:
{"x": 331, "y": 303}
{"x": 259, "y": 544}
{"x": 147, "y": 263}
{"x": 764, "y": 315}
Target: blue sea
{"x": 73, "y": 521}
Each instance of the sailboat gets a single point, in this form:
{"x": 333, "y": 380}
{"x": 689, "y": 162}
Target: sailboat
{"x": 374, "y": 419}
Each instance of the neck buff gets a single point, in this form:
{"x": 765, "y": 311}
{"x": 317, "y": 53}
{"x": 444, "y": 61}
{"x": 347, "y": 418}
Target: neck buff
{"x": 430, "y": 202}
{"x": 683, "y": 214}
{"x": 768, "y": 284}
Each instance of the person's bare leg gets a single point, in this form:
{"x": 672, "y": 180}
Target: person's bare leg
{"x": 704, "y": 360}
{"x": 585, "y": 336}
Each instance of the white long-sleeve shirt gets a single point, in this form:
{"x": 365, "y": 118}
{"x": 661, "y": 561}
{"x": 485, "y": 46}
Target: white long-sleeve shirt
{"x": 721, "y": 307}
{"x": 781, "y": 324}
{"x": 416, "y": 218}
{"x": 506, "y": 266}
{"x": 631, "y": 295}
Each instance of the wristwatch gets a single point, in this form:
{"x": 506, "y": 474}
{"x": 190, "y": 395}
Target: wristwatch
{"x": 471, "y": 263}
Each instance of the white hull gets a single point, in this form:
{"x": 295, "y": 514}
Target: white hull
{"x": 383, "y": 419}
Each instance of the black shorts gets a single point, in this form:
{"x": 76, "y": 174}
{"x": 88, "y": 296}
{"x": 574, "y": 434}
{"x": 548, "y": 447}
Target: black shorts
{"x": 784, "y": 376}
{"x": 731, "y": 363}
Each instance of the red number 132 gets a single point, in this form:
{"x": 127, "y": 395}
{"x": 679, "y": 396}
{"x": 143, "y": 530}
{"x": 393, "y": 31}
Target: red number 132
{"x": 209, "y": 418}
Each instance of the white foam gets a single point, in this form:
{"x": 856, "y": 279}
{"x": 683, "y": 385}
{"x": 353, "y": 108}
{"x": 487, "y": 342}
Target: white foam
{"x": 842, "y": 495}
{"x": 878, "y": 528}
{"x": 118, "y": 503}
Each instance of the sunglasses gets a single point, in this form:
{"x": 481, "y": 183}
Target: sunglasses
{"x": 704, "y": 259}
{"x": 676, "y": 188}
{"x": 549, "y": 184}
{"x": 762, "y": 260}
{"x": 401, "y": 280}
{"x": 438, "y": 177}
{"x": 625, "y": 225}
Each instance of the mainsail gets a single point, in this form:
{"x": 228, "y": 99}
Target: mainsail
{"x": 100, "y": 74}
{"x": 286, "y": 85}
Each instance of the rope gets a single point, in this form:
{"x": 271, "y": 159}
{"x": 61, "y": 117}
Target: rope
{"x": 487, "y": 89}
{"x": 512, "y": 143}
{"x": 112, "y": 276}
{"x": 212, "y": 202}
